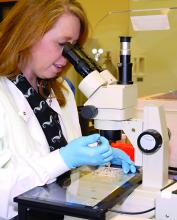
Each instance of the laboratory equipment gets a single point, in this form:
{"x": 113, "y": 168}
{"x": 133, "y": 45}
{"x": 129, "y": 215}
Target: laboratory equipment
{"x": 169, "y": 102}
{"x": 111, "y": 104}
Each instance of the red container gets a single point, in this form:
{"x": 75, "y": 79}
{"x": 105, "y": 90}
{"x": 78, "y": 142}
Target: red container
{"x": 127, "y": 148}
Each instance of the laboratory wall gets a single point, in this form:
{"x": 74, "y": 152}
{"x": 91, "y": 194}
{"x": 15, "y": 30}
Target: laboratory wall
{"x": 153, "y": 53}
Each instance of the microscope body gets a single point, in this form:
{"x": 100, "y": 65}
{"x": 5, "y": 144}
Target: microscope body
{"x": 111, "y": 105}
{"x": 115, "y": 106}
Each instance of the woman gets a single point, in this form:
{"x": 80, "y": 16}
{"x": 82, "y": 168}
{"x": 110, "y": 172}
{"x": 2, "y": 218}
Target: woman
{"x": 40, "y": 137}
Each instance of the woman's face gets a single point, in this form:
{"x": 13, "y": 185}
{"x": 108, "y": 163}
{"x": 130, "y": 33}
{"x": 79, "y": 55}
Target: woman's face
{"x": 46, "y": 59}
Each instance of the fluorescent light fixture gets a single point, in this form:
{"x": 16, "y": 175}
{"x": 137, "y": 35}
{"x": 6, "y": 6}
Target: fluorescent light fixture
{"x": 150, "y": 22}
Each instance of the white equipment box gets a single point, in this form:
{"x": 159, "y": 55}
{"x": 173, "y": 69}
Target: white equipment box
{"x": 169, "y": 102}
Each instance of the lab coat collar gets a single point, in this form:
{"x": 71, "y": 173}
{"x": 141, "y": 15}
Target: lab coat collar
{"x": 25, "y": 112}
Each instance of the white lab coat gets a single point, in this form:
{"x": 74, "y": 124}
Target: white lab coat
{"x": 25, "y": 160}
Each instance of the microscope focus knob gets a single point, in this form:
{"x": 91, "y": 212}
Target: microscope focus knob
{"x": 149, "y": 141}
{"x": 89, "y": 112}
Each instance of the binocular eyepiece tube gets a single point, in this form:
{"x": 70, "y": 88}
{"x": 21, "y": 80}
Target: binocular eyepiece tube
{"x": 82, "y": 63}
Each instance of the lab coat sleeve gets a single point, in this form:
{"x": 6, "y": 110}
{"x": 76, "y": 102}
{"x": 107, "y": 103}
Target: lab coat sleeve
{"x": 23, "y": 170}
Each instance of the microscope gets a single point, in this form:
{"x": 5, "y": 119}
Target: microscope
{"x": 111, "y": 104}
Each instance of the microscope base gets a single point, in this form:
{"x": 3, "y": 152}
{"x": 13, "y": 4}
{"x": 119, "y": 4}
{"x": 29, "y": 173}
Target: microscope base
{"x": 140, "y": 200}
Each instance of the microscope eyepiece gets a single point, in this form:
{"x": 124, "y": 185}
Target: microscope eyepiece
{"x": 80, "y": 65}
{"x": 79, "y": 59}
{"x": 125, "y": 39}
{"x": 125, "y": 65}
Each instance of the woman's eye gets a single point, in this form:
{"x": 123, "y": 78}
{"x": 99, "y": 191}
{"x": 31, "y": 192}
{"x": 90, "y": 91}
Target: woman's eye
{"x": 61, "y": 44}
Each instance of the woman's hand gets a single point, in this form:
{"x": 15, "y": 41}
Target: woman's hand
{"x": 121, "y": 158}
{"x": 79, "y": 152}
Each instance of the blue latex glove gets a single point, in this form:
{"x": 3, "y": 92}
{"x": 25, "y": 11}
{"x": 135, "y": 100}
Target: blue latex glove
{"x": 78, "y": 152}
{"x": 121, "y": 158}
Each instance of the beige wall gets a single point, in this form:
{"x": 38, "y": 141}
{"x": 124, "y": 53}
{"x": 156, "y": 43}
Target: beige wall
{"x": 154, "y": 53}
{"x": 158, "y": 49}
